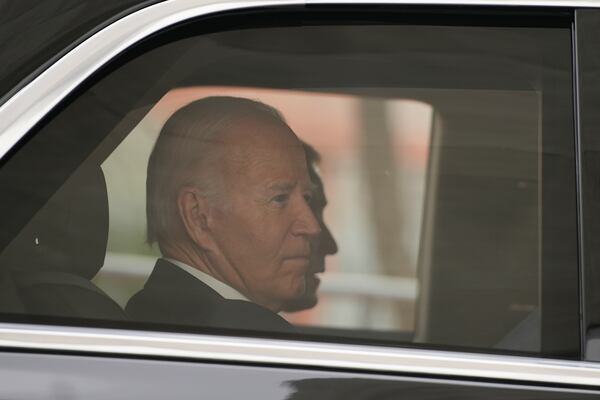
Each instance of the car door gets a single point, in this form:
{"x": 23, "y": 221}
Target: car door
{"x": 451, "y": 158}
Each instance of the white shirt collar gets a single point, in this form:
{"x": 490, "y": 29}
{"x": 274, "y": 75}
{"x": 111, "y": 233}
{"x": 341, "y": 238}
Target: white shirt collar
{"x": 221, "y": 288}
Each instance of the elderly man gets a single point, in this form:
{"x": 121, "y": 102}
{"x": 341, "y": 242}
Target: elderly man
{"x": 228, "y": 201}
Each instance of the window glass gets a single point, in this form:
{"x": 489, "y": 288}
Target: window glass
{"x": 388, "y": 183}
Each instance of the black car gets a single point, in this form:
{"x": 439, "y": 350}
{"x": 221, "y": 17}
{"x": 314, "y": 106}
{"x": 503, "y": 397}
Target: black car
{"x": 453, "y": 156}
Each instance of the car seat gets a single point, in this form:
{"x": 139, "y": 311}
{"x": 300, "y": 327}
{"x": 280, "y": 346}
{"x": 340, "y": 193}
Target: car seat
{"x": 49, "y": 266}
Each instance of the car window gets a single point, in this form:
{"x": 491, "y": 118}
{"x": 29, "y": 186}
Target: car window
{"x": 380, "y": 182}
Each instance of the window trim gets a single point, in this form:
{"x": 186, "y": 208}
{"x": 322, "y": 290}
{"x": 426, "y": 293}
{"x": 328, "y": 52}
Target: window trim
{"x": 29, "y": 105}
{"x": 286, "y": 353}
{"x": 586, "y": 22}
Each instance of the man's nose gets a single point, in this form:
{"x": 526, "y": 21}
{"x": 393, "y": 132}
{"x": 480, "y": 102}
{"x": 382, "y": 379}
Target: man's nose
{"x": 306, "y": 223}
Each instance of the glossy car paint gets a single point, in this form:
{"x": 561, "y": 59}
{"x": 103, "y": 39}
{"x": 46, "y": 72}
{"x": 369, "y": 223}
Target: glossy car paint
{"x": 73, "y": 376}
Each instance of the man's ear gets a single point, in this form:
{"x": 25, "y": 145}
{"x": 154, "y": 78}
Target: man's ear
{"x": 195, "y": 211}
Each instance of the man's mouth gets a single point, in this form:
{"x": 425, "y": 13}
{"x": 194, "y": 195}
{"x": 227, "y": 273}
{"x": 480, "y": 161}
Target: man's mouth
{"x": 300, "y": 260}
{"x": 297, "y": 258}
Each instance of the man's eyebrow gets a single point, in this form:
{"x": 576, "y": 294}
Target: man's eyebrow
{"x": 281, "y": 185}
{"x": 287, "y": 186}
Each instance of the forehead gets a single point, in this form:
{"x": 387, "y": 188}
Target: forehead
{"x": 262, "y": 145}
{"x": 258, "y": 132}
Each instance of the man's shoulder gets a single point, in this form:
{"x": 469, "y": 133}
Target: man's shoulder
{"x": 171, "y": 295}
{"x": 241, "y": 314}
{"x": 167, "y": 277}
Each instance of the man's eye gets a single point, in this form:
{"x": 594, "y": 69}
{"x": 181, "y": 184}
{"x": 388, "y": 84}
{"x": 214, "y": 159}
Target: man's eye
{"x": 280, "y": 199}
{"x": 308, "y": 197}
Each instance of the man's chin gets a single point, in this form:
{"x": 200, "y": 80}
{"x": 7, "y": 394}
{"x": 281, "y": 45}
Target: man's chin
{"x": 302, "y": 304}
{"x": 308, "y": 299}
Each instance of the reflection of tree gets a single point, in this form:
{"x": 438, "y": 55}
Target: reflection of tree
{"x": 381, "y": 182}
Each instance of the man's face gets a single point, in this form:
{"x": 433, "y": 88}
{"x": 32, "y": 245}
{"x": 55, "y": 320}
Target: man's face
{"x": 322, "y": 245}
{"x": 263, "y": 226}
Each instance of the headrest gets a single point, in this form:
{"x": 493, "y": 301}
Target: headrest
{"x": 69, "y": 233}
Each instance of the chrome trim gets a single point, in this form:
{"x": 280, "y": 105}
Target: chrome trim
{"x": 28, "y": 106}
{"x": 508, "y": 3}
{"x": 432, "y": 363}
{"x": 579, "y": 151}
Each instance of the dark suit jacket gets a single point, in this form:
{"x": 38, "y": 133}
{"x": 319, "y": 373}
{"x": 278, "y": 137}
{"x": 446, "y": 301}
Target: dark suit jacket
{"x": 173, "y": 296}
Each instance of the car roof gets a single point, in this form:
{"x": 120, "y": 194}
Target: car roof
{"x": 34, "y": 32}
{"x": 46, "y": 29}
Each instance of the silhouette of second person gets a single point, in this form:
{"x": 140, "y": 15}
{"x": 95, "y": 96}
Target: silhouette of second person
{"x": 322, "y": 245}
